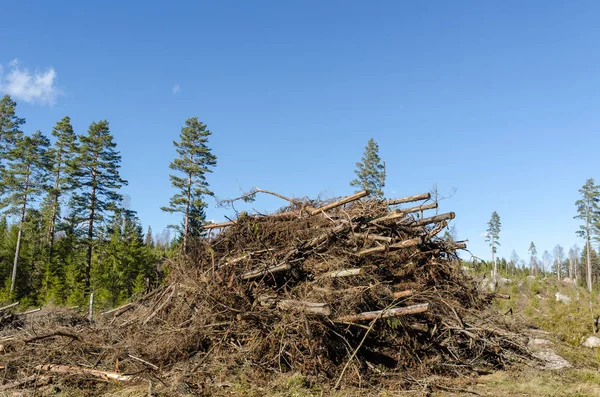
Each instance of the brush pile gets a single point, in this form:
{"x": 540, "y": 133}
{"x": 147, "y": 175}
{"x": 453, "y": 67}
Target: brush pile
{"x": 347, "y": 292}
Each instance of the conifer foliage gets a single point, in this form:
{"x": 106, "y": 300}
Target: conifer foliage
{"x": 370, "y": 171}
{"x": 195, "y": 160}
{"x": 95, "y": 175}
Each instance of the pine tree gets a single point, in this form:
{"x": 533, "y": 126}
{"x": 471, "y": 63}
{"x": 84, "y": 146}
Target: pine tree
{"x": 10, "y": 129}
{"x": 194, "y": 161}
{"x": 95, "y": 173}
{"x": 25, "y": 179}
{"x": 589, "y": 212}
{"x": 532, "y": 258}
{"x": 60, "y": 155}
{"x": 370, "y": 171}
{"x": 493, "y": 234}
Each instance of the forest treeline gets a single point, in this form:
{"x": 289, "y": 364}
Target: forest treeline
{"x": 65, "y": 228}
{"x": 580, "y": 266}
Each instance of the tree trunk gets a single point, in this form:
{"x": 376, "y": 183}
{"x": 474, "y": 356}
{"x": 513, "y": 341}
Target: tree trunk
{"x": 186, "y": 220}
{"x": 495, "y": 271}
{"x": 21, "y": 222}
{"x": 90, "y": 233}
{"x": 52, "y": 223}
{"x": 589, "y": 255}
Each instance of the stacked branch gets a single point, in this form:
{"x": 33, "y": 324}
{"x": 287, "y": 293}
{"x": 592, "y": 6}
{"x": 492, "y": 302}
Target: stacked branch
{"x": 315, "y": 288}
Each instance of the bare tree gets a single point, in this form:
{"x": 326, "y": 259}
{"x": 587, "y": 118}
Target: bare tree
{"x": 559, "y": 254}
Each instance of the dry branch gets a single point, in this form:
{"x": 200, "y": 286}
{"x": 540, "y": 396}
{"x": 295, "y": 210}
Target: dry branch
{"x": 375, "y": 237}
{"x": 143, "y": 362}
{"x": 52, "y": 334}
{"x": 72, "y": 370}
{"x": 9, "y": 306}
{"x": 263, "y": 272}
{"x": 402, "y": 294}
{"x": 322, "y": 309}
{"x": 381, "y": 314}
{"x": 345, "y": 273}
{"x": 391, "y": 247}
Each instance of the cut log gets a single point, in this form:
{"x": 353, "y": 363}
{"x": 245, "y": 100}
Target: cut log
{"x": 341, "y": 202}
{"x": 438, "y": 228}
{"x": 344, "y": 273}
{"x": 72, "y": 370}
{"x": 321, "y": 309}
{"x": 381, "y": 314}
{"x": 3, "y": 308}
{"x": 218, "y": 225}
{"x": 420, "y": 208}
{"x": 409, "y": 199}
{"x": 391, "y": 247}
{"x": 395, "y": 214}
{"x": 432, "y": 219}
{"x": 375, "y": 237}
{"x": 263, "y": 272}
{"x": 402, "y": 294}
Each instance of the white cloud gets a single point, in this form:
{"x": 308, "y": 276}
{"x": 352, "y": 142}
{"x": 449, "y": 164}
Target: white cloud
{"x": 483, "y": 234}
{"x": 21, "y": 84}
{"x": 176, "y": 89}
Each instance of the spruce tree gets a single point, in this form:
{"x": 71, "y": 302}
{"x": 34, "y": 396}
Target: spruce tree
{"x": 588, "y": 211}
{"x": 194, "y": 161}
{"x": 370, "y": 171}
{"x": 532, "y": 258}
{"x": 493, "y": 234}
{"x": 95, "y": 173}
{"x": 149, "y": 239}
{"x": 25, "y": 178}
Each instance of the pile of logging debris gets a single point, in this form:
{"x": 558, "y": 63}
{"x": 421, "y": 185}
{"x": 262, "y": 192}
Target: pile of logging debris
{"x": 347, "y": 292}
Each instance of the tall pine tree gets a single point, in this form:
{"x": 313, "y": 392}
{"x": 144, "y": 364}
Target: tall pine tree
{"x": 95, "y": 174}
{"x": 25, "y": 178}
{"x": 370, "y": 171}
{"x": 493, "y": 234}
{"x": 60, "y": 155}
{"x": 588, "y": 211}
{"x": 10, "y": 129}
{"x": 194, "y": 161}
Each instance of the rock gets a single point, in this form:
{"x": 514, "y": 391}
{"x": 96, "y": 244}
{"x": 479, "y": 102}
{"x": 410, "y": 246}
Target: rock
{"x": 567, "y": 280}
{"x": 562, "y": 298}
{"x": 591, "y": 342}
{"x": 538, "y": 342}
{"x": 504, "y": 281}
{"x": 466, "y": 269}
{"x": 531, "y": 277}
{"x": 552, "y": 360}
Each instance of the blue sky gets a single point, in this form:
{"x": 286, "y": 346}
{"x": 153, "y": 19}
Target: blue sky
{"x": 499, "y": 100}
